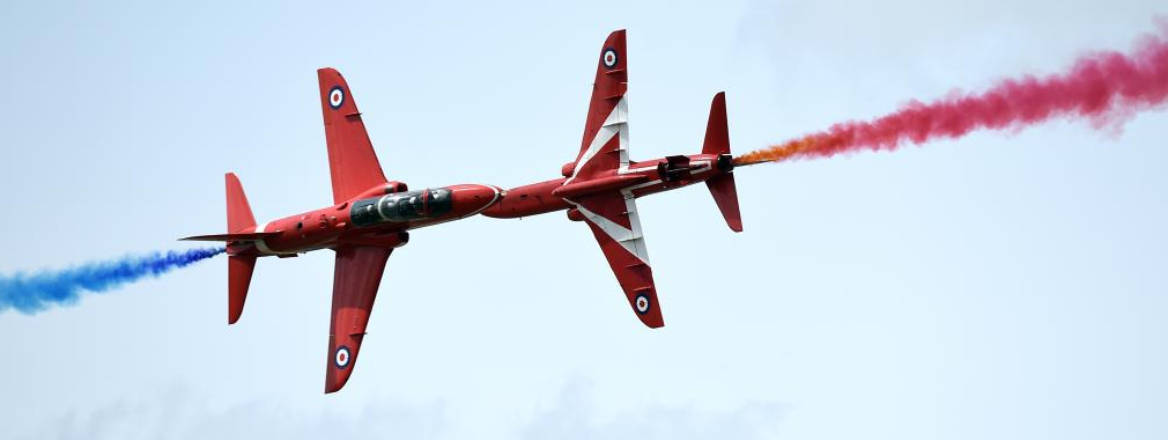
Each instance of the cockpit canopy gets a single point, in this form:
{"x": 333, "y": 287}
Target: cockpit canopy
{"x": 401, "y": 207}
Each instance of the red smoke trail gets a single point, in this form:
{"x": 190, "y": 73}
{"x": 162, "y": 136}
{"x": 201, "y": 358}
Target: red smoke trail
{"x": 1104, "y": 87}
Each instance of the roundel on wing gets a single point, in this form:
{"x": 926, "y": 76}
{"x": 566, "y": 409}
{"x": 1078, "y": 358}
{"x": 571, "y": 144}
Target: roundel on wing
{"x": 642, "y": 304}
{"x": 609, "y": 58}
{"x": 336, "y": 97}
{"x": 342, "y": 357}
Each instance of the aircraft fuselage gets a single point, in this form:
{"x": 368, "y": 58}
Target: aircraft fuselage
{"x": 382, "y": 216}
{"x": 638, "y": 179}
{"x": 378, "y": 217}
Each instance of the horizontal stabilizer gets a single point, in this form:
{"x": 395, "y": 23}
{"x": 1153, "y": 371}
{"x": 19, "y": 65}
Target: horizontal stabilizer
{"x": 251, "y": 236}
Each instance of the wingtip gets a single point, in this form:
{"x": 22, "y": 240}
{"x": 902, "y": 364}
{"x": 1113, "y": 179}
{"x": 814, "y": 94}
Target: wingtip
{"x": 234, "y": 312}
{"x": 342, "y": 357}
{"x": 330, "y": 388}
{"x": 617, "y": 38}
{"x": 653, "y": 319}
{"x": 331, "y": 75}
{"x": 334, "y": 382}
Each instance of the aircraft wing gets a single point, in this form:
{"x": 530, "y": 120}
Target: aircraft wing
{"x": 615, "y": 224}
{"x": 613, "y": 216}
{"x": 356, "y": 278}
{"x": 606, "y": 134}
{"x": 352, "y": 163}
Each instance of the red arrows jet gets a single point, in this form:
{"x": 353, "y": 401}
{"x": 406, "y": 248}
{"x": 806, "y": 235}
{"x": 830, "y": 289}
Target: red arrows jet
{"x": 370, "y": 215}
{"x": 601, "y": 186}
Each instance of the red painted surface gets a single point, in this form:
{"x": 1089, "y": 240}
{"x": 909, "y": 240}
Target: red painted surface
{"x": 634, "y": 276}
{"x": 356, "y": 277}
{"x": 726, "y": 197}
{"x": 608, "y": 88}
{"x": 239, "y": 217}
{"x": 527, "y": 200}
{"x": 600, "y": 184}
{"x": 717, "y": 142}
{"x": 239, "y": 270}
{"x": 352, "y": 163}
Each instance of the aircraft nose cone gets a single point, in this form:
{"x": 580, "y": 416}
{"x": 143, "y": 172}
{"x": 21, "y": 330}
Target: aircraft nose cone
{"x": 472, "y": 198}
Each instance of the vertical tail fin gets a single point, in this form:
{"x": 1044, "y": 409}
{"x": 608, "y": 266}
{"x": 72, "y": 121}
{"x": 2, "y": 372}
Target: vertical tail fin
{"x": 239, "y": 267}
{"x": 718, "y": 142}
{"x": 239, "y": 215}
{"x": 717, "y": 134}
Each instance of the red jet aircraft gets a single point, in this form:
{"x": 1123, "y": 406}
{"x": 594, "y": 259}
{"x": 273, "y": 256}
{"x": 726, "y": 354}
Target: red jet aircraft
{"x": 371, "y": 215}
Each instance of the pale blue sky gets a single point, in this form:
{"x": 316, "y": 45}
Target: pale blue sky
{"x": 1006, "y": 286}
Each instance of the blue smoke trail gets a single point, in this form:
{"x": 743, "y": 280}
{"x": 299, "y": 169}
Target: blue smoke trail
{"x": 30, "y": 294}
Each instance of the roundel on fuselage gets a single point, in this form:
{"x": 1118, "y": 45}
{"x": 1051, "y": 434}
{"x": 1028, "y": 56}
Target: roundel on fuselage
{"x": 336, "y": 97}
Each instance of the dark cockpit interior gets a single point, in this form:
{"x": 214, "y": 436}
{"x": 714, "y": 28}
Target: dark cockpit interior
{"x": 401, "y": 207}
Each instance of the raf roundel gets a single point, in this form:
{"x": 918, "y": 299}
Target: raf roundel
{"x": 342, "y": 357}
{"x": 336, "y": 97}
{"x": 641, "y": 303}
{"x": 609, "y": 58}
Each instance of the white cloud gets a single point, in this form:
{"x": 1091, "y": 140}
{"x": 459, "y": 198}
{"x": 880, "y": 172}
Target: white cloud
{"x": 180, "y": 414}
{"x": 575, "y": 416}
